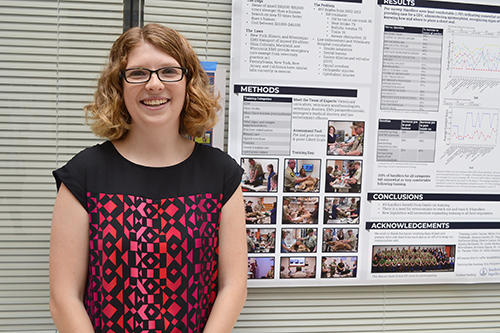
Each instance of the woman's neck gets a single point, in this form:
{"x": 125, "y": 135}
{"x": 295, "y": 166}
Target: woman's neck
{"x": 155, "y": 149}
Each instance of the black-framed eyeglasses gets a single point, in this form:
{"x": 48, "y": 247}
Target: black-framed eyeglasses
{"x": 143, "y": 75}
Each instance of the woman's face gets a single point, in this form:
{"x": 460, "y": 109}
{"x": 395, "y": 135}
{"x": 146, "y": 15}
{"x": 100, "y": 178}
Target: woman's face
{"x": 331, "y": 130}
{"x": 154, "y": 103}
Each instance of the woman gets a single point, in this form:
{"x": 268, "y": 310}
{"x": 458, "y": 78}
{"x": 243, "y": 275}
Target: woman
{"x": 274, "y": 183}
{"x": 332, "y": 140}
{"x": 332, "y": 137}
{"x": 329, "y": 179}
{"x": 284, "y": 247}
{"x": 131, "y": 243}
{"x": 302, "y": 173}
{"x": 340, "y": 235}
{"x": 315, "y": 213}
{"x": 271, "y": 173}
{"x": 273, "y": 213}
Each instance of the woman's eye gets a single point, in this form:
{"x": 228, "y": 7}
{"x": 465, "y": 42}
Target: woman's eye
{"x": 137, "y": 73}
{"x": 169, "y": 71}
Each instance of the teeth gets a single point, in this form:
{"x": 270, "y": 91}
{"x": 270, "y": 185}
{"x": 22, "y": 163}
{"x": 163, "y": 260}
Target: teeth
{"x": 155, "y": 102}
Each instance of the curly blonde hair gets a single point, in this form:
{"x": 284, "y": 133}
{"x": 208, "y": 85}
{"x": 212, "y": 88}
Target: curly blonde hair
{"x": 107, "y": 115}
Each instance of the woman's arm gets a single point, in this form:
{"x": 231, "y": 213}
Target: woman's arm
{"x": 68, "y": 267}
{"x": 300, "y": 180}
{"x": 233, "y": 264}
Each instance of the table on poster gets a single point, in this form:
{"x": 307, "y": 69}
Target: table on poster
{"x": 406, "y": 140}
{"x": 411, "y": 69}
{"x": 267, "y": 123}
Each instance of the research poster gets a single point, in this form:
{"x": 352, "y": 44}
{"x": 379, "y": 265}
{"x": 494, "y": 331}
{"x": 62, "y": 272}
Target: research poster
{"x": 368, "y": 132}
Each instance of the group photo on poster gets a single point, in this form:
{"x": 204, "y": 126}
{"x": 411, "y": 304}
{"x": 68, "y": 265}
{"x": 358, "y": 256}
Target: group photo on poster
{"x": 260, "y": 209}
{"x": 345, "y": 138}
{"x": 260, "y": 240}
{"x": 339, "y": 267}
{"x": 301, "y": 175}
{"x": 260, "y": 268}
{"x": 259, "y": 175}
{"x": 342, "y": 210}
{"x": 406, "y": 259}
{"x": 298, "y": 267}
{"x": 299, "y": 240}
{"x": 340, "y": 240}
{"x": 343, "y": 176}
{"x": 300, "y": 210}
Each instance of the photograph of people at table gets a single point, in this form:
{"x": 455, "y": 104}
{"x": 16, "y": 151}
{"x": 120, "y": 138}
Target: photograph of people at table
{"x": 301, "y": 175}
{"x": 298, "y": 267}
{"x": 299, "y": 240}
{"x": 345, "y": 138}
{"x": 342, "y": 210}
{"x": 340, "y": 240}
{"x": 260, "y": 268}
{"x": 260, "y": 210}
{"x": 300, "y": 210}
{"x": 260, "y": 175}
{"x": 343, "y": 176}
{"x": 339, "y": 267}
{"x": 261, "y": 240}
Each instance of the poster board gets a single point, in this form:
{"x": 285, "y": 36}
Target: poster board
{"x": 391, "y": 109}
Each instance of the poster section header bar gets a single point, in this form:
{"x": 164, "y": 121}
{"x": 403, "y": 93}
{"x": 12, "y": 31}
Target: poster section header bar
{"x": 278, "y": 90}
{"x": 431, "y": 225}
{"x": 431, "y": 197}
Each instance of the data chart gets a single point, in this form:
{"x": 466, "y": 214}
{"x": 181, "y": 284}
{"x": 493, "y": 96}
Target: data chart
{"x": 473, "y": 126}
{"x": 476, "y": 56}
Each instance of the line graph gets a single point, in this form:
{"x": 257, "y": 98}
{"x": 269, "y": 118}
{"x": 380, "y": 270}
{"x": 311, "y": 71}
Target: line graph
{"x": 476, "y": 127}
{"x": 470, "y": 132}
{"x": 475, "y": 56}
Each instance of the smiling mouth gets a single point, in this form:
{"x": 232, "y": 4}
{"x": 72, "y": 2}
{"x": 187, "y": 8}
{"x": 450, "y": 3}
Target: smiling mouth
{"x": 155, "y": 102}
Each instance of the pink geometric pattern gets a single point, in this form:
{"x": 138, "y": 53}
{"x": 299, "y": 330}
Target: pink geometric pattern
{"x": 153, "y": 263}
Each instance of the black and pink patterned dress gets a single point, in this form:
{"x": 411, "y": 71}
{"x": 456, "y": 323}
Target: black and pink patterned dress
{"x": 153, "y": 237}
